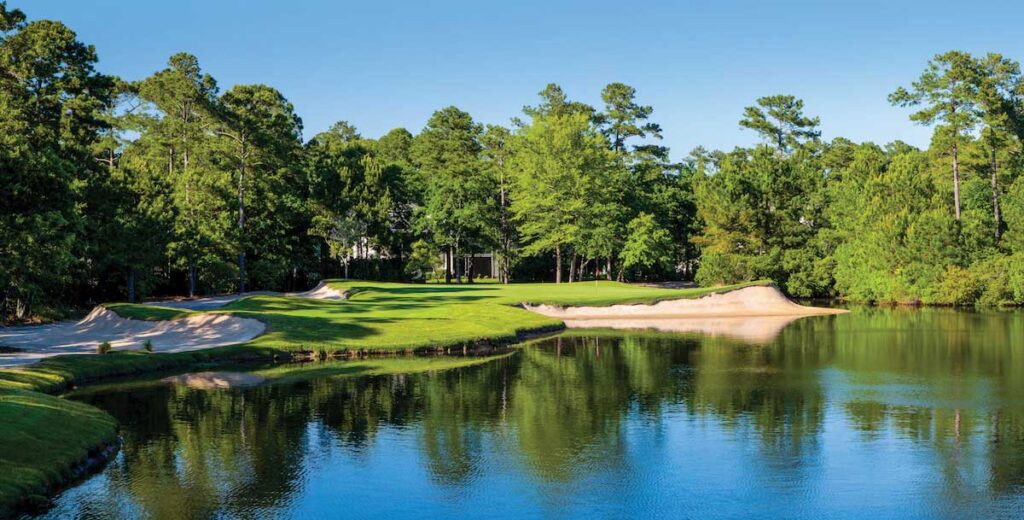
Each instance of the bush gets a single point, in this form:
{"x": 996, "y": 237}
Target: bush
{"x": 724, "y": 268}
{"x": 148, "y": 346}
{"x": 993, "y": 278}
{"x": 957, "y": 286}
{"x": 103, "y": 348}
{"x": 1015, "y": 277}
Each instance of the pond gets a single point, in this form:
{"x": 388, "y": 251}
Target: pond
{"x": 883, "y": 413}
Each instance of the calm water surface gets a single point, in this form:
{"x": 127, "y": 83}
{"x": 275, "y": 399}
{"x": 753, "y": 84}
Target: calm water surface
{"x": 880, "y": 414}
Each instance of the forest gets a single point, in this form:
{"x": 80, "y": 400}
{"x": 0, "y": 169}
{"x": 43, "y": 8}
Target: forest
{"x": 121, "y": 189}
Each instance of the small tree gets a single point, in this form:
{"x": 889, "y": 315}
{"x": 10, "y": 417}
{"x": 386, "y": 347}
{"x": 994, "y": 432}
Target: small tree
{"x": 423, "y": 261}
{"x": 342, "y": 234}
{"x": 781, "y": 120}
{"x": 104, "y": 348}
{"x": 648, "y": 244}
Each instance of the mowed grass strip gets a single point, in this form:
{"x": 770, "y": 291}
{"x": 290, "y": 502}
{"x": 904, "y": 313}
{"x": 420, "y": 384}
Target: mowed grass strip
{"x": 598, "y": 294}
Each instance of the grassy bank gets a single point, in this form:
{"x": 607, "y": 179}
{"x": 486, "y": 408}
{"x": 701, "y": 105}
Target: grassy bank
{"x": 45, "y": 438}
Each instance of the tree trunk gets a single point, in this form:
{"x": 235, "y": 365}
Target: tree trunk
{"x": 241, "y": 224}
{"x": 448, "y": 265}
{"x": 131, "y": 285}
{"x": 191, "y": 280}
{"x": 608, "y": 269}
{"x": 995, "y": 189}
{"x": 506, "y": 239}
{"x": 469, "y": 268}
{"x": 572, "y": 266}
{"x": 956, "y": 178}
{"x": 455, "y": 261}
{"x": 558, "y": 264}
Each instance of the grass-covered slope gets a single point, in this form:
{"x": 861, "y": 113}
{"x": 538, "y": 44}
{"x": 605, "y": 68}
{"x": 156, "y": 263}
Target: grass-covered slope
{"x": 42, "y": 440}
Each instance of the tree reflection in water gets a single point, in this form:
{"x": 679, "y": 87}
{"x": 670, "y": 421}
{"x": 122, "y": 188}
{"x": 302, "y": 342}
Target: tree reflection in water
{"x": 945, "y": 387}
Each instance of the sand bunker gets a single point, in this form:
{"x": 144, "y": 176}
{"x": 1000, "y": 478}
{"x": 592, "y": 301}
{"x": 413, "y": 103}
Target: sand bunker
{"x": 192, "y": 333}
{"x": 321, "y": 292}
{"x": 217, "y": 380}
{"x": 752, "y": 314}
{"x": 31, "y": 343}
{"x": 746, "y": 302}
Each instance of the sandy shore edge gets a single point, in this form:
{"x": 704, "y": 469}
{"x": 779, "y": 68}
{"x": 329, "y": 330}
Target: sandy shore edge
{"x": 748, "y": 302}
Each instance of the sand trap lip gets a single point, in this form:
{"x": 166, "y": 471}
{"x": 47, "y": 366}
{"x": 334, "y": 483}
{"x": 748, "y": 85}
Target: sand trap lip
{"x": 217, "y": 380}
{"x": 184, "y": 334}
{"x": 754, "y": 301}
{"x": 321, "y": 292}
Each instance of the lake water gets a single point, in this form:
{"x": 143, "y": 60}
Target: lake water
{"x": 883, "y": 413}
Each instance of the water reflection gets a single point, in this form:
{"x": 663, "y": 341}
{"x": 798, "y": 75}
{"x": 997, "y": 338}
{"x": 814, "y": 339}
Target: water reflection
{"x": 753, "y": 329}
{"x": 888, "y": 413}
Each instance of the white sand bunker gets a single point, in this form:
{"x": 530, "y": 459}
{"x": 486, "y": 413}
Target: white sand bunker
{"x": 746, "y": 302}
{"x": 321, "y": 292}
{"x": 192, "y": 333}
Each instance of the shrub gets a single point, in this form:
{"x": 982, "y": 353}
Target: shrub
{"x": 957, "y": 286}
{"x": 993, "y": 277}
{"x": 724, "y": 268}
{"x": 103, "y": 348}
{"x": 148, "y": 346}
{"x": 1015, "y": 277}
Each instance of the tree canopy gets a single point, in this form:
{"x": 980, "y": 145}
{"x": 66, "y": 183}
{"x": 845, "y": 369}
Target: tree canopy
{"x": 170, "y": 184}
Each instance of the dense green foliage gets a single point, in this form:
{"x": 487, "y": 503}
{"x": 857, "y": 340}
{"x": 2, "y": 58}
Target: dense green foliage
{"x": 873, "y": 223}
{"x": 117, "y": 190}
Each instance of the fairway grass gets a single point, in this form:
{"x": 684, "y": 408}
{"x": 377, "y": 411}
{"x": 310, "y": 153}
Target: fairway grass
{"x": 45, "y": 438}
{"x": 379, "y": 316}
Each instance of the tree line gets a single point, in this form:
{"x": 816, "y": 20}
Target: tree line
{"x": 169, "y": 184}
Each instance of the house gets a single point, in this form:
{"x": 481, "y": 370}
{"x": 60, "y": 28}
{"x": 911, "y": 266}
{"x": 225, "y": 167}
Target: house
{"x": 484, "y": 265}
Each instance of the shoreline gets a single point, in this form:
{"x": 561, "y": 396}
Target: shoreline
{"x": 507, "y": 328}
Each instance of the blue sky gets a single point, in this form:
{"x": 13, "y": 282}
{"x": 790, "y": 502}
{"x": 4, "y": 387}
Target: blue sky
{"x": 383, "y": 64}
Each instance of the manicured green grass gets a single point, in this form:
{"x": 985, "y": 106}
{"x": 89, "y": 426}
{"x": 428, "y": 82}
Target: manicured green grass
{"x": 387, "y": 316}
{"x": 382, "y": 316}
{"x": 43, "y": 438}
{"x": 600, "y": 293}
{"x": 362, "y": 324}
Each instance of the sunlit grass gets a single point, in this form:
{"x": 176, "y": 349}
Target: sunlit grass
{"x": 393, "y": 316}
